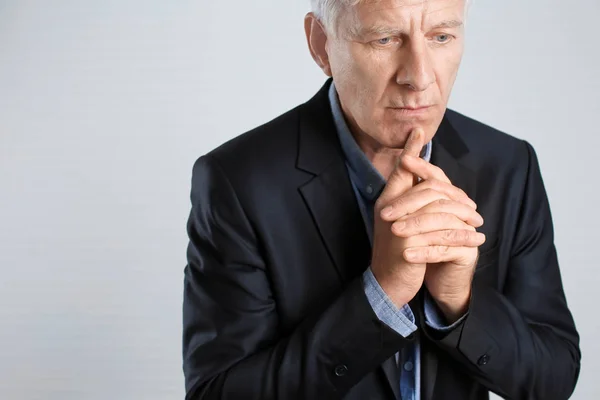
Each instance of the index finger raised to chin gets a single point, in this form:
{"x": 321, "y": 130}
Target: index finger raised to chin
{"x": 414, "y": 145}
{"x": 400, "y": 179}
{"x": 414, "y": 142}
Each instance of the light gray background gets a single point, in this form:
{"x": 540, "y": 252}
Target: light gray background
{"x": 105, "y": 105}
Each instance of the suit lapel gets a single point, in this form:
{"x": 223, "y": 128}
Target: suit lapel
{"x": 330, "y": 199}
{"x": 448, "y": 153}
{"x": 329, "y": 195}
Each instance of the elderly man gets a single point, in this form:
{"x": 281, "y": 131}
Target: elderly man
{"x": 370, "y": 243}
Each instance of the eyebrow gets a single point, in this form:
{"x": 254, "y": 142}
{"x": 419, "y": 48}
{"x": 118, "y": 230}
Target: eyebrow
{"x": 448, "y": 24}
{"x": 387, "y": 30}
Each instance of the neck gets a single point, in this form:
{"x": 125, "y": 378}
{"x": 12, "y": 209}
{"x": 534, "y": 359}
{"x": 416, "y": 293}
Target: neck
{"x": 383, "y": 158}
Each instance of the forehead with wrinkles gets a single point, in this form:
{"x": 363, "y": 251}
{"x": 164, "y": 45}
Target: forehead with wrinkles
{"x": 393, "y": 17}
{"x": 330, "y": 12}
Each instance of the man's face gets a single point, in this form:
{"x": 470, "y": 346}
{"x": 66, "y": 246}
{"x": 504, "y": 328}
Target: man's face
{"x": 394, "y": 63}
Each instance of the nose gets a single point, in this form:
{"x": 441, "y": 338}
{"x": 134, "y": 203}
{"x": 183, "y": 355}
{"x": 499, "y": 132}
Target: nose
{"x": 416, "y": 69}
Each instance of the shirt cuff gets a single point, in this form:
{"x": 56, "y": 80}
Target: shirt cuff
{"x": 402, "y": 320}
{"x": 434, "y": 317}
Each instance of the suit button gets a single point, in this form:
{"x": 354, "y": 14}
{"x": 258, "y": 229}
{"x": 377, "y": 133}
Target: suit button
{"x": 483, "y": 360}
{"x": 341, "y": 370}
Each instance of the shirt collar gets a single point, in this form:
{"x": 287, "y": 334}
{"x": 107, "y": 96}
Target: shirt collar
{"x": 364, "y": 175}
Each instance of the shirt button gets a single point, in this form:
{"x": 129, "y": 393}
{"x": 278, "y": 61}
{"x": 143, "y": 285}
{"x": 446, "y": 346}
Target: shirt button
{"x": 483, "y": 360}
{"x": 341, "y": 370}
{"x": 408, "y": 366}
{"x": 369, "y": 189}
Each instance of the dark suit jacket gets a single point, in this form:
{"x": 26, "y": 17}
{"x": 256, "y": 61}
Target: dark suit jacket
{"x": 274, "y": 306}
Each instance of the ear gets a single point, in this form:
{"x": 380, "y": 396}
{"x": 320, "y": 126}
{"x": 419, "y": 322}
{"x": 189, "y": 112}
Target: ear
{"x": 316, "y": 37}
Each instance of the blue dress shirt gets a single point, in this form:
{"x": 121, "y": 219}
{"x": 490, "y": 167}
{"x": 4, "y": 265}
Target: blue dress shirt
{"x": 368, "y": 184}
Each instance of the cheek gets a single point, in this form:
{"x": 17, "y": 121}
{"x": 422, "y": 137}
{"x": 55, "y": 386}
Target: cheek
{"x": 360, "y": 83}
{"x": 446, "y": 73}
{"x": 367, "y": 66}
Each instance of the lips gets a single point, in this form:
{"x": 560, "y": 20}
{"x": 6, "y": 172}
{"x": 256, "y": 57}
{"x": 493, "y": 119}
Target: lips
{"x": 412, "y": 108}
{"x": 411, "y": 112}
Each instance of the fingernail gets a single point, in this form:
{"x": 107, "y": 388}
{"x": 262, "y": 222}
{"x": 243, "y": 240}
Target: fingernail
{"x": 410, "y": 253}
{"x": 400, "y": 225}
{"x": 386, "y": 212}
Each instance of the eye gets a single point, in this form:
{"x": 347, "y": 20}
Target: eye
{"x": 442, "y": 38}
{"x": 384, "y": 41}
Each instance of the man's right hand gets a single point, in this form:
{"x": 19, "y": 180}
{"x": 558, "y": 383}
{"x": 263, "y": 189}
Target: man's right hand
{"x": 399, "y": 279}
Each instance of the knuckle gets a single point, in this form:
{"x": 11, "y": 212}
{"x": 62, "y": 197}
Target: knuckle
{"x": 443, "y": 249}
{"x": 446, "y": 218}
{"x": 443, "y": 202}
{"x": 456, "y": 236}
{"x": 443, "y": 185}
{"x": 434, "y": 184}
{"x": 434, "y": 219}
{"x": 464, "y": 236}
{"x": 429, "y": 184}
{"x": 430, "y": 192}
{"x": 398, "y": 203}
{"x": 449, "y": 235}
{"x": 418, "y": 221}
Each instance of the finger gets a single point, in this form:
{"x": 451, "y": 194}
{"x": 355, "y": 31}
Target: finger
{"x": 401, "y": 180}
{"x": 414, "y": 143}
{"x": 422, "y": 194}
{"x": 424, "y": 223}
{"x": 437, "y": 254}
{"x": 450, "y": 237}
{"x": 455, "y": 193}
{"x": 428, "y": 172}
{"x": 410, "y": 202}
{"x": 412, "y": 148}
{"x": 422, "y": 168}
{"x": 462, "y": 211}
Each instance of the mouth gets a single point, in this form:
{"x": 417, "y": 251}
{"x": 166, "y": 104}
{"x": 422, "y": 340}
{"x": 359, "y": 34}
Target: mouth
{"x": 411, "y": 111}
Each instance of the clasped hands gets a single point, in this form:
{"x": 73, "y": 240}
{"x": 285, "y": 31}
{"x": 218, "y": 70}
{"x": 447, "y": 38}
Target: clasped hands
{"x": 425, "y": 233}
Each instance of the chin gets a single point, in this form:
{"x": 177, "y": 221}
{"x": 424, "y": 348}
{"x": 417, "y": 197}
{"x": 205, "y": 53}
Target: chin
{"x": 395, "y": 137}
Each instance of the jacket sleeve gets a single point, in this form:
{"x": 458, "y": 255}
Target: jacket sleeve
{"x": 232, "y": 346}
{"x": 522, "y": 343}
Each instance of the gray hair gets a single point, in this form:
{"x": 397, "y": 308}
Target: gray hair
{"x": 328, "y": 11}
